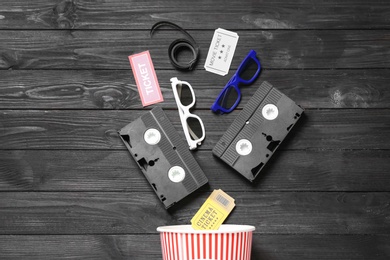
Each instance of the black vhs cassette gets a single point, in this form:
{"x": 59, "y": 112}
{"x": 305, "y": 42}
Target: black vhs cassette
{"x": 257, "y": 131}
{"x": 162, "y": 156}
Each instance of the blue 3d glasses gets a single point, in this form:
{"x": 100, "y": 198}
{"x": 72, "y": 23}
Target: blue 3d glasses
{"x": 246, "y": 74}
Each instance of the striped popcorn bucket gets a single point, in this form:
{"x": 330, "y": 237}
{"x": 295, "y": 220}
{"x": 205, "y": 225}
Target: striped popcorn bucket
{"x": 229, "y": 242}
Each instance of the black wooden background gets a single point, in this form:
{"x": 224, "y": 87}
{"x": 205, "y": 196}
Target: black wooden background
{"x": 70, "y": 190}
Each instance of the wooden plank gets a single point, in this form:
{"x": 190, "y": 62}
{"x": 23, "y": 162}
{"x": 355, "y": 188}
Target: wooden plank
{"x": 289, "y": 247}
{"x": 78, "y": 129}
{"x": 105, "y": 89}
{"x": 277, "y": 49}
{"x": 97, "y": 170}
{"x": 141, "y": 212}
{"x": 114, "y": 14}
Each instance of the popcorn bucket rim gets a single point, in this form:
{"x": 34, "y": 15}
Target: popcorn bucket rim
{"x": 224, "y": 228}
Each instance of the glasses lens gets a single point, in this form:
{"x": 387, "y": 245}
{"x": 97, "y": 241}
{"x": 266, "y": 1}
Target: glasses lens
{"x": 194, "y": 128}
{"x": 185, "y": 94}
{"x": 248, "y": 70}
{"x": 228, "y": 98}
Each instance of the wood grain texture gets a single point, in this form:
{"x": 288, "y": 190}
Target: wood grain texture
{"x": 141, "y": 212}
{"x": 203, "y": 14}
{"x": 70, "y": 190}
{"x": 265, "y": 247}
{"x": 277, "y": 49}
{"x": 106, "y": 89}
{"x": 78, "y": 129}
{"x": 107, "y": 170}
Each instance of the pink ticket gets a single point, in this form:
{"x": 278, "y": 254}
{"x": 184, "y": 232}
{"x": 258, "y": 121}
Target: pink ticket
{"x": 146, "y": 79}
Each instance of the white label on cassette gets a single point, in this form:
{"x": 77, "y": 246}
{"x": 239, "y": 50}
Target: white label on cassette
{"x": 176, "y": 174}
{"x": 221, "y": 51}
{"x": 270, "y": 112}
{"x": 244, "y": 147}
{"x": 152, "y": 136}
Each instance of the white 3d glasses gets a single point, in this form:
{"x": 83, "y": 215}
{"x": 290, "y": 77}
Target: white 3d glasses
{"x": 192, "y": 124}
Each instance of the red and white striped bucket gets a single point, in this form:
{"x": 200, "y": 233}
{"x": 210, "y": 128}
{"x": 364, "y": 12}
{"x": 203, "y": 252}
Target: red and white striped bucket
{"x": 229, "y": 242}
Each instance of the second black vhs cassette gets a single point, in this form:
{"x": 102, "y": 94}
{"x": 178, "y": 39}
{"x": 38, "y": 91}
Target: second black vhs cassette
{"x": 162, "y": 156}
{"x": 257, "y": 131}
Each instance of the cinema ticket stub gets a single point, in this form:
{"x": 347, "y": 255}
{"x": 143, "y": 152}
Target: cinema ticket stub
{"x": 221, "y": 52}
{"x": 213, "y": 212}
{"x": 146, "y": 79}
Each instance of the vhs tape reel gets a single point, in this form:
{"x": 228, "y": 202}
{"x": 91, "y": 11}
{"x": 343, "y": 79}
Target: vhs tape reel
{"x": 162, "y": 156}
{"x": 257, "y": 131}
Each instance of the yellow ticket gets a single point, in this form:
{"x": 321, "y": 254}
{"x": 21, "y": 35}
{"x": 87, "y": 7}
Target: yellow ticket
{"x": 213, "y": 212}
